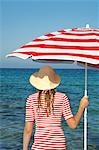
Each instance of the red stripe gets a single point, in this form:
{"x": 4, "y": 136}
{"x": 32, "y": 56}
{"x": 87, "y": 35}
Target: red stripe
{"x": 80, "y": 30}
{"x": 61, "y": 54}
{"x": 85, "y": 29}
{"x": 67, "y": 40}
{"x": 39, "y": 39}
{"x": 72, "y": 40}
{"x": 62, "y": 47}
{"x": 49, "y": 34}
{"x": 79, "y": 34}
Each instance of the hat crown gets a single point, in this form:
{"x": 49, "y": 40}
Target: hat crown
{"x": 46, "y": 70}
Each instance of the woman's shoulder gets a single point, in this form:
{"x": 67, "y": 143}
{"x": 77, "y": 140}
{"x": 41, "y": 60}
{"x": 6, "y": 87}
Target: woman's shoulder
{"x": 60, "y": 94}
{"x": 31, "y": 96}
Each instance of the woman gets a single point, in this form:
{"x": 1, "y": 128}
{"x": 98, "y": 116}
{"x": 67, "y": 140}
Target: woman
{"x": 46, "y": 108}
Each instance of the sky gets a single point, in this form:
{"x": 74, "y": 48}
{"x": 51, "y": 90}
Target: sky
{"x": 21, "y": 21}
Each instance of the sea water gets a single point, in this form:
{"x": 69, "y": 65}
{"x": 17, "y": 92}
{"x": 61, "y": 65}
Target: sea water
{"x": 15, "y": 88}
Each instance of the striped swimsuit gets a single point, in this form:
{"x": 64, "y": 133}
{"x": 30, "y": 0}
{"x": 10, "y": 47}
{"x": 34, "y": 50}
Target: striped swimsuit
{"x": 49, "y": 134}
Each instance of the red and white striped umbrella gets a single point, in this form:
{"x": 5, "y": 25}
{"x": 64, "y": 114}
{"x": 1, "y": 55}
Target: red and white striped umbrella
{"x": 69, "y": 44}
{"x": 78, "y": 44}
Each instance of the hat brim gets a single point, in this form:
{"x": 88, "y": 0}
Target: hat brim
{"x": 42, "y": 82}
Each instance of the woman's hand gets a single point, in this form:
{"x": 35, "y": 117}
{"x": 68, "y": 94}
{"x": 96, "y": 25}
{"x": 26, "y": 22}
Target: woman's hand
{"x": 74, "y": 121}
{"x": 84, "y": 102}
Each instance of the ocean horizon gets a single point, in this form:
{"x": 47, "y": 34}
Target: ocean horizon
{"x": 14, "y": 90}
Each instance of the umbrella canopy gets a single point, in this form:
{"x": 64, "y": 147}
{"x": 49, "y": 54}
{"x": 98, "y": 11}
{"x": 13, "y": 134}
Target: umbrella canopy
{"x": 77, "y": 44}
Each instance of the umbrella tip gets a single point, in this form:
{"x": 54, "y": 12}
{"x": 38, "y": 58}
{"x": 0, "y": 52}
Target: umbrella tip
{"x": 87, "y": 25}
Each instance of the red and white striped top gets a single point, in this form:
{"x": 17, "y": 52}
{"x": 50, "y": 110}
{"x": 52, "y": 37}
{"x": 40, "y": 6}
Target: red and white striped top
{"x": 49, "y": 134}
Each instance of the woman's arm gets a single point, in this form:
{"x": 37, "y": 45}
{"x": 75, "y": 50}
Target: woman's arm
{"x": 27, "y": 134}
{"x": 74, "y": 121}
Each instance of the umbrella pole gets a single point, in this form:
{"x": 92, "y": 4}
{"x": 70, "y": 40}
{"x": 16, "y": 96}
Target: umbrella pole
{"x": 85, "y": 112}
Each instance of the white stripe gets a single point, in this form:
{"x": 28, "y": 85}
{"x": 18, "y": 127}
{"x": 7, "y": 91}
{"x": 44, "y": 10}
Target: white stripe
{"x": 73, "y": 37}
{"x": 55, "y": 33}
{"x": 76, "y": 36}
{"x": 23, "y": 56}
{"x": 64, "y": 43}
{"x": 50, "y": 50}
{"x": 42, "y": 37}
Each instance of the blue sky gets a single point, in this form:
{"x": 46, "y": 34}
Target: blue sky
{"x": 24, "y": 20}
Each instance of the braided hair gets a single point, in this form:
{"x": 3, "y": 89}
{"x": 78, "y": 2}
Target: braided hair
{"x": 49, "y": 100}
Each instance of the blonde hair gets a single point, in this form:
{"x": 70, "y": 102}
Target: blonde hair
{"x": 49, "y": 100}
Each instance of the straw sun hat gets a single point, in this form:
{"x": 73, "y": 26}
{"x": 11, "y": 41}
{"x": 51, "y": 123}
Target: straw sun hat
{"x": 45, "y": 79}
